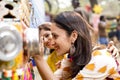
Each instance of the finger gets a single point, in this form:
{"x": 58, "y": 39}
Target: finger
{"x": 58, "y": 64}
{"x": 110, "y": 49}
{"x": 45, "y": 39}
{"x": 111, "y": 43}
{"x": 41, "y": 45}
{"x": 41, "y": 41}
{"x": 24, "y": 26}
{"x": 115, "y": 53}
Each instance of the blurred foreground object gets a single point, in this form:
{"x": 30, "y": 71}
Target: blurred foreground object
{"x": 12, "y": 59}
{"x": 11, "y": 42}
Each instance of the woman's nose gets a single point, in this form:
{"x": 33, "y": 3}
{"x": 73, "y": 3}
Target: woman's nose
{"x": 50, "y": 39}
{"x": 50, "y": 36}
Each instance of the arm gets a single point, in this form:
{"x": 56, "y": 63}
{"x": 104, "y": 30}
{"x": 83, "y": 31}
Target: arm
{"x": 43, "y": 68}
{"x": 61, "y": 74}
{"x": 42, "y": 65}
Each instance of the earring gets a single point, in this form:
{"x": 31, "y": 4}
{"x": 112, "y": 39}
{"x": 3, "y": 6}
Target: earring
{"x": 72, "y": 49}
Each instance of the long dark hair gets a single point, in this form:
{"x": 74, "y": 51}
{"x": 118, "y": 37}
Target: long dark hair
{"x": 70, "y": 21}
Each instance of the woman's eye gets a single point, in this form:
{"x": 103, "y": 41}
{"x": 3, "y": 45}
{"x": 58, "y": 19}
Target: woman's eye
{"x": 54, "y": 36}
{"x": 47, "y": 35}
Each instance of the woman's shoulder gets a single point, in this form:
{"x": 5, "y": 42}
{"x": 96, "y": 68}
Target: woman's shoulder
{"x": 101, "y": 59}
{"x": 100, "y": 66}
{"x": 102, "y": 56}
{"x": 101, "y": 52}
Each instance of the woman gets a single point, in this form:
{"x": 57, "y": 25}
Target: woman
{"x": 103, "y": 38}
{"x": 53, "y": 58}
{"x": 70, "y": 36}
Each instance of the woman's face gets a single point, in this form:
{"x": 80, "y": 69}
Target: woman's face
{"x": 62, "y": 42}
{"x": 47, "y": 38}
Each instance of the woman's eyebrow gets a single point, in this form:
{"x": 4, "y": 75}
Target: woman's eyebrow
{"x": 47, "y": 28}
{"x": 44, "y": 28}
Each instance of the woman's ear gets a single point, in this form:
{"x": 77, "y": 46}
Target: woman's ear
{"x": 74, "y": 36}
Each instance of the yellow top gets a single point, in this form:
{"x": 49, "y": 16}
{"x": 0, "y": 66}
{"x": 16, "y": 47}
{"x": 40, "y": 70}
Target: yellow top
{"x": 53, "y": 59}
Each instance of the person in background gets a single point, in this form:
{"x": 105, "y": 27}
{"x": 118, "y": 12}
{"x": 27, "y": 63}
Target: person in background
{"x": 53, "y": 58}
{"x": 70, "y": 37}
{"x": 85, "y": 15}
{"x": 79, "y": 9}
{"x": 103, "y": 39}
{"x": 118, "y": 32}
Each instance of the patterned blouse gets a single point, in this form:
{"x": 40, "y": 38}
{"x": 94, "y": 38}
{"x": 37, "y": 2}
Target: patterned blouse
{"x": 101, "y": 65}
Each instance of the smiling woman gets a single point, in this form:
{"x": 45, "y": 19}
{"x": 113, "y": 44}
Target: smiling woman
{"x": 70, "y": 37}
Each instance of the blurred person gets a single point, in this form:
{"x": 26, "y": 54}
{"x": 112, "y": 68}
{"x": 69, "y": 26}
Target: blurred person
{"x": 71, "y": 37}
{"x": 118, "y": 32}
{"x": 85, "y": 15}
{"x": 80, "y": 10}
{"x": 102, "y": 25}
{"x": 53, "y": 58}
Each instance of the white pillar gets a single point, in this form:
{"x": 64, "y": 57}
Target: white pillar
{"x": 37, "y": 15}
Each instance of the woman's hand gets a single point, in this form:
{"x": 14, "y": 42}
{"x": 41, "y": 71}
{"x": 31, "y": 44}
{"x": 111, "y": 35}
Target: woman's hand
{"x": 112, "y": 49}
